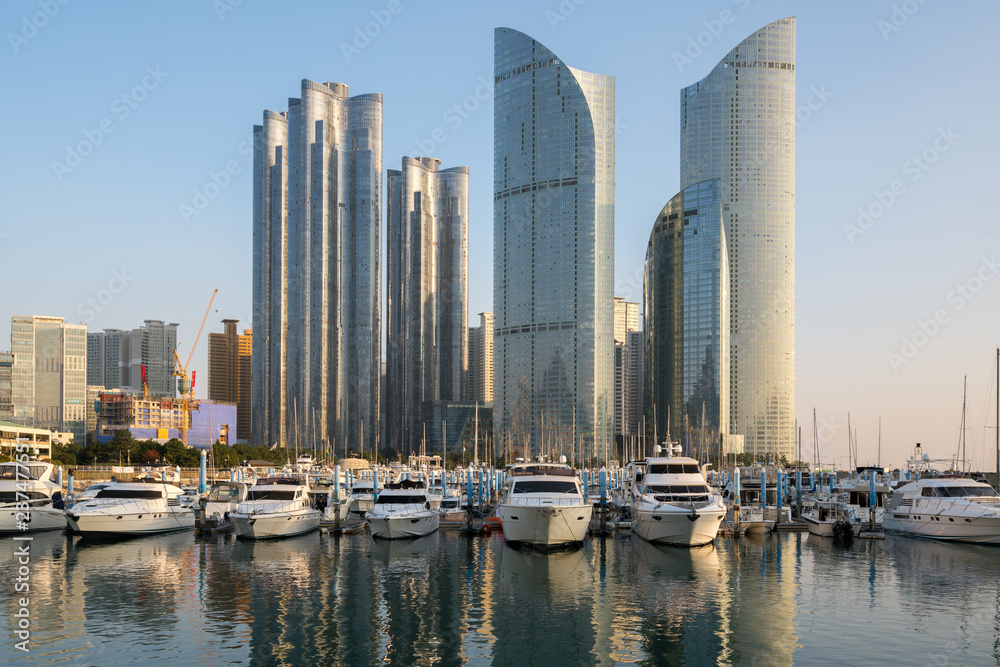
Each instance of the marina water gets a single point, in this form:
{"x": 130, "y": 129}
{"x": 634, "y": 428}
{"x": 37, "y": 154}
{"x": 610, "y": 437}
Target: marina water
{"x": 450, "y": 599}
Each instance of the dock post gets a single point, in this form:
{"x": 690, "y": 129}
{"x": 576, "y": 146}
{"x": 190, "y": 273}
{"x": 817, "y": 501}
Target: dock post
{"x": 202, "y": 471}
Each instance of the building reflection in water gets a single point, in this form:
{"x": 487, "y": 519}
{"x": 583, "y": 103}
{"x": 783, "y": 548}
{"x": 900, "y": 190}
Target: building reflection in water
{"x": 453, "y": 600}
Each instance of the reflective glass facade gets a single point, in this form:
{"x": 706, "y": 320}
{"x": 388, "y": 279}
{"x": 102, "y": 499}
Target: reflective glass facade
{"x": 49, "y": 375}
{"x": 686, "y": 315}
{"x": 427, "y": 346}
{"x": 738, "y": 125}
{"x": 317, "y": 302}
{"x": 553, "y": 248}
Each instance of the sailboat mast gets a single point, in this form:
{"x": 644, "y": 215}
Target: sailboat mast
{"x": 997, "y": 483}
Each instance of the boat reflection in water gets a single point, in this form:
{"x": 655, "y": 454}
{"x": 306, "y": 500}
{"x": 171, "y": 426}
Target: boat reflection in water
{"x": 453, "y": 599}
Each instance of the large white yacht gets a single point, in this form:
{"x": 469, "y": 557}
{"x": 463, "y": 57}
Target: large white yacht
{"x": 543, "y": 505}
{"x": 405, "y": 508}
{"x": 30, "y": 498}
{"x": 276, "y": 506}
{"x": 672, "y": 503}
{"x": 945, "y": 508}
{"x": 143, "y": 507}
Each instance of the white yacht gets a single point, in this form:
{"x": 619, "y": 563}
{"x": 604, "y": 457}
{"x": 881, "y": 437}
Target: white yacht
{"x": 223, "y": 498}
{"x": 30, "y": 498}
{"x": 142, "y": 507}
{"x": 543, "y": 505}
{"x": 276, "y": 506}
{"x": 945, "y": 508}
{"x": 404, "y": 509}
{"x": 672, "y": 503}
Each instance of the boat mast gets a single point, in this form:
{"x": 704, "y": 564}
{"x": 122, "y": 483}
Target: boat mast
{"x": 965, "y": 386}
{"x": 997, "y": 482}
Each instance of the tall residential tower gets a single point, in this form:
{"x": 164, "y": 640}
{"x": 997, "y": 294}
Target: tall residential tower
{"x": 427, "y": 341}
{"x": 316, "y": 296}
{"x": 553, "y": 249}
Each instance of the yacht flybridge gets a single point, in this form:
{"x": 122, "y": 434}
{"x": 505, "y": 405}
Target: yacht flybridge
{"x": 670, "y": 501}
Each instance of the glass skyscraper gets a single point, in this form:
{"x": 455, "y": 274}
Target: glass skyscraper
{"x": 427, "y": 341}
{"x": 553, "y": 249}
{"x": 316, "y": 297}
{"x": 686, "y": 316}
{"x": 49, "y": 375}
{"x": 738, "y": 126}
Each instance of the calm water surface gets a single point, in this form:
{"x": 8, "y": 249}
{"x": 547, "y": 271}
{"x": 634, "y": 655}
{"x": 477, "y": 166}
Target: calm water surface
{"x": 453, "y": 600}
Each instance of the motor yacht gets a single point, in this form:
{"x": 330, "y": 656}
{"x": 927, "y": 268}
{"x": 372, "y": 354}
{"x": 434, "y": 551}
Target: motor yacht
{"x": 404, "y": 508}
{"x": 672, "y": 503}
{"x": 956, "y": 509}
{"x": 276, "y": 506}
{"x": 543, "y": 505}
{"x": 30, "y": 498}
{"x": 140, "y": 507}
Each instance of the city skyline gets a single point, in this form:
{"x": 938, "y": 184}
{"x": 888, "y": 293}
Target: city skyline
{"x": 891, "y": 313}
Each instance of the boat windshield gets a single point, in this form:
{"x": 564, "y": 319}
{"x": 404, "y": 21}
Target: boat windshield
{"x": 393, "y": 499}
{"x": 963, "y": 491}
{"x": 224, "y": 494}
{"x": 270, "y": 494}
{"x": 145, "y": 494}
{"x": 544, "y": 486}
{"x": 677, "y": 488}
{"x": 672, "y": 468}
{"x": 21, "y": 471}
{"x": 21, "y": 496}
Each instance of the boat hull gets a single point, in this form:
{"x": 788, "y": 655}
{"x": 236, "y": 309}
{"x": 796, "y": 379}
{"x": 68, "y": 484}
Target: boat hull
{"x": 276, "y": 525}
{"x": 390, "y": 527}
{"x": 38, "y": 519}
{"x": 545, "y": 525}
{"x": 131, "y": 524}
{"x": 677, "y": 527}
{"x": 979, "y": 530}
{"x": 817, "y": 527}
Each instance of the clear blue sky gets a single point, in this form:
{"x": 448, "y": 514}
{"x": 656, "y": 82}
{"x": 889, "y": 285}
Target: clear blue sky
{"x": 196, "y": 78}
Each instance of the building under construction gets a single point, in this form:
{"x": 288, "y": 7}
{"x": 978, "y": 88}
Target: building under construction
{"x": 162, "y": 419}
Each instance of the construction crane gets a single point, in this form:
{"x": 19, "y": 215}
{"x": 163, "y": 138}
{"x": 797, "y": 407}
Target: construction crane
{"x": 186, "y": 386}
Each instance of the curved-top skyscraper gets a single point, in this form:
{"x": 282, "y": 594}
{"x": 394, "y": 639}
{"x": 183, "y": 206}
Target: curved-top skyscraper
{"x": 738, "y": 125}
{"x": 553, "y": 250}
